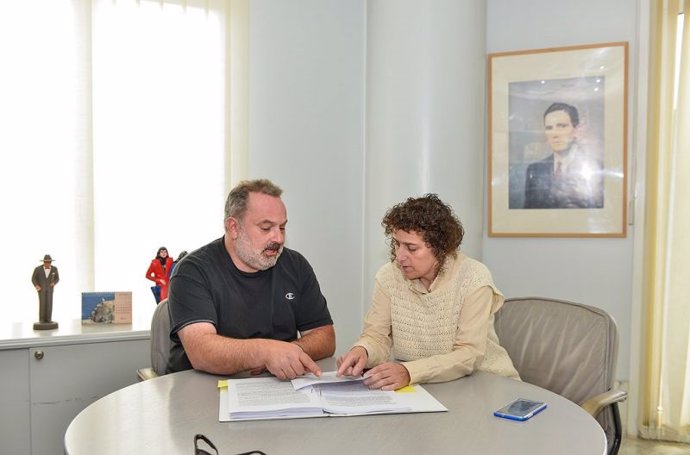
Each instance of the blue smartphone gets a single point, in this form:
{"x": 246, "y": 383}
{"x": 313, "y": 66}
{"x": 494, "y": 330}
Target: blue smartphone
{"x": 520, "y": 409}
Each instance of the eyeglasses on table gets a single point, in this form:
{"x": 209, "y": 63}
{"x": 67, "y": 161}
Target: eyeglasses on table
{"x": 200, "y": 451}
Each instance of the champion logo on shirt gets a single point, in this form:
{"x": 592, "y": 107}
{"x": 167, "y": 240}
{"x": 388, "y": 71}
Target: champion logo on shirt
{"x": 290, "y": 296}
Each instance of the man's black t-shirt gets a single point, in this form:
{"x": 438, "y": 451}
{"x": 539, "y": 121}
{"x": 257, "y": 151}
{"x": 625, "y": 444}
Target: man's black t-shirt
{"x": 274, "y": 303}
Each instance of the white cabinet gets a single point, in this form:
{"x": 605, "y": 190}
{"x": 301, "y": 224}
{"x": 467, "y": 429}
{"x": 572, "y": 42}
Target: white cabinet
{"x": 15, "y": 403}
{"x": 46, "y": 381}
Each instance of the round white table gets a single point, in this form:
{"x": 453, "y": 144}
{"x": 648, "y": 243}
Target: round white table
{"x": 162, "y": 415}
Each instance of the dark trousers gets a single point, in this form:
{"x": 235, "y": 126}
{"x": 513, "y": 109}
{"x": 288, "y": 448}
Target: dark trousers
{"x": 45, "y": 304}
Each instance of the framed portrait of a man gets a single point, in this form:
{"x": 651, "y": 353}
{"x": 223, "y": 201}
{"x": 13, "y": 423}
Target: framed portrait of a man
{"x": 557, "y": 142}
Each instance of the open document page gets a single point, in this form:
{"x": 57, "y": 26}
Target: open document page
{"x": 355, "y": 398}
{"x": 271, "y": 398}
{"x": 327, "y": 377}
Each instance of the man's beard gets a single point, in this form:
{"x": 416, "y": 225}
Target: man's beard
{"x": 255, "y": 259}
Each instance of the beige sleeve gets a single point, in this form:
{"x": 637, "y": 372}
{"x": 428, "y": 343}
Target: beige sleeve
{"x": 469, "y": 345}
{"x": 376, "y": 335}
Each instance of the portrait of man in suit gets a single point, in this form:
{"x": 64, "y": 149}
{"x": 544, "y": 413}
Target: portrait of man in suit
{"x": 570, "y": 177}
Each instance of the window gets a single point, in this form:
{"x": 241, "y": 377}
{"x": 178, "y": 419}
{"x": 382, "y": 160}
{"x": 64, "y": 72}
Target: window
{"x": 667, "y": 214}
{"x": 113, "y": 119}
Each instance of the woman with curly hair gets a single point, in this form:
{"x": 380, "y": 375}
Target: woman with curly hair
{"x": 433, "y": 307}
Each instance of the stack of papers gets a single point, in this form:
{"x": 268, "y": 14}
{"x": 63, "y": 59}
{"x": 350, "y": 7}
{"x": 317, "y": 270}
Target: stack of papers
{"x": 311, "y": 396}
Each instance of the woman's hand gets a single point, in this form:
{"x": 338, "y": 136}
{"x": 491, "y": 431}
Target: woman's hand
{"x": 387, "y": 376}
{"x": 352, "y": 363}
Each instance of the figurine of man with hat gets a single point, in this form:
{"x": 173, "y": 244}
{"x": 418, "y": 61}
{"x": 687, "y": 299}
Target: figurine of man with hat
{"x": 45, "y": 278}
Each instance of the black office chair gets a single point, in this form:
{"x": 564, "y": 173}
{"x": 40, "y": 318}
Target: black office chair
{"x": 569, "y": 349}
{"x": 160, "y": 343}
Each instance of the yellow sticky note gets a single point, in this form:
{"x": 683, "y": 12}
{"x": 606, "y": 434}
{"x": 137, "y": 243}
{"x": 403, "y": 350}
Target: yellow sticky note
{"x": 406, "y": 389}
{"x": 222, "y": 383}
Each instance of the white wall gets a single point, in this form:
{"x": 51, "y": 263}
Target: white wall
{"x": 425, "y": 104}
{"x": 306, "y": 133}
{"x": 356, "y": 104}
{"x": 597, "y": 272}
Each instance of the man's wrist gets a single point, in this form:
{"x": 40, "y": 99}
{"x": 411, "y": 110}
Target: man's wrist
{"x": 299, "y": 346}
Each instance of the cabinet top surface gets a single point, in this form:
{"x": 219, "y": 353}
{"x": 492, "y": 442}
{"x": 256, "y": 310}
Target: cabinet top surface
{"x": 15, "y": 335}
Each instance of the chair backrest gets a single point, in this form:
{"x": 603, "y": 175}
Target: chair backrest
{"x": 565, "y": 347}
{"x": 160, "y": 338}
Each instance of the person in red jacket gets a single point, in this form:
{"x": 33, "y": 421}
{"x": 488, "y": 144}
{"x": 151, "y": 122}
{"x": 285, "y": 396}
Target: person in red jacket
{"x": 159, "y": 273}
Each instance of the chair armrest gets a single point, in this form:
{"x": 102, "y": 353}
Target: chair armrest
{"x": 597, "y": 403}
{"x": 146, "y": 373}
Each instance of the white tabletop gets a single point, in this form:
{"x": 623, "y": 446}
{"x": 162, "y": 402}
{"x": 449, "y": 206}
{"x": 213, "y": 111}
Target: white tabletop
{"x": 162, "y": 415}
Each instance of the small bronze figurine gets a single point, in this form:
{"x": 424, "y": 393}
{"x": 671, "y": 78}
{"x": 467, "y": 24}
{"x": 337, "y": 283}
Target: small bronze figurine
{"x": 44, "y": 278}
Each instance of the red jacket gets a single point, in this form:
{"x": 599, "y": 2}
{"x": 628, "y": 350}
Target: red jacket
{"x": 155, "y": 273}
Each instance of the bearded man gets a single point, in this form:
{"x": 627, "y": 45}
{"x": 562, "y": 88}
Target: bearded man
{"x": 245, "y": 302}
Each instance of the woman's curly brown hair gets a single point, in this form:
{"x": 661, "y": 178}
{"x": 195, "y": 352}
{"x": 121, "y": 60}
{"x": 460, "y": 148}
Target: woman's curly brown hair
{"x": 434, "y": 220}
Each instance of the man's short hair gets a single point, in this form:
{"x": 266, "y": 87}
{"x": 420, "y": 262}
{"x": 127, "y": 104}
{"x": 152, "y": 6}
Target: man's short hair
{"x": 570, "y": 110}
{"x": 236, "y": 203}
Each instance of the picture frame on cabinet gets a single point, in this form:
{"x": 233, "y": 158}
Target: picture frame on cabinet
{"x": 106, "y": 308}
{"x": 557, "y": 142}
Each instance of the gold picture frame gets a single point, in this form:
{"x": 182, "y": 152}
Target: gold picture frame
{"x": 553, "y": 109}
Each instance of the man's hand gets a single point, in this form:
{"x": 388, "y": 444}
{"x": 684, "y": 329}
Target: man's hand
{"x": 288, "y": 360}
{"x": 387, "y": 376}
{"x": 352, "y": 363}
{"x": 210, "y": 352}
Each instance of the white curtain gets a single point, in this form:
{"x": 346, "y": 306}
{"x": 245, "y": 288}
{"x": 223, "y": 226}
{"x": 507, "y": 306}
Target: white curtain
{"x": 115, "y": 135}
{"x": 665, "y": 410}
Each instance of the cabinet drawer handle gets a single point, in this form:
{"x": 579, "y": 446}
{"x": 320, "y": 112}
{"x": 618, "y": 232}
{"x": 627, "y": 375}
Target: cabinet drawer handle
{"x": 38, "y": 355}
